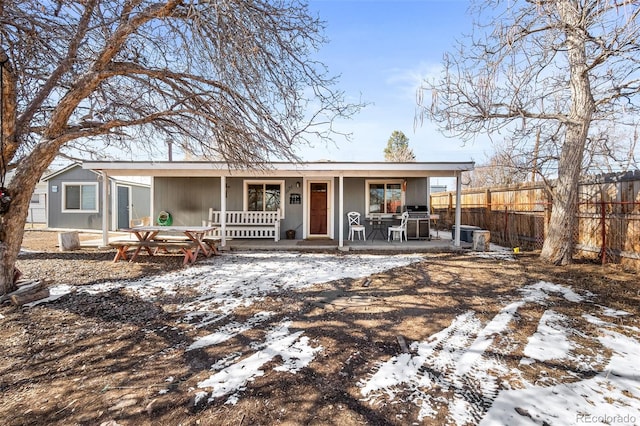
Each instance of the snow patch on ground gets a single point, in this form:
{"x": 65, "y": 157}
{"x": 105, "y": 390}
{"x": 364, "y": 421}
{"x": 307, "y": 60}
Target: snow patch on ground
{"x": 229, "y": 330}
{"x": 293, "y": 348}
{"x": 224, "y": 283}
{"x": 550, "y": 341}
{"x": 458, "y": 369}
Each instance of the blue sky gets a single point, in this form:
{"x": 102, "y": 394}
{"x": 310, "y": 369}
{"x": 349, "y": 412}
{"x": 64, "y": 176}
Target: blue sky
{"x": 382, "y": 49}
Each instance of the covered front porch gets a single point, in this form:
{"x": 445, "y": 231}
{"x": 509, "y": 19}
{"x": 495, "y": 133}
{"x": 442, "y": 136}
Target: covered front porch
{"x": 310, "y": 198}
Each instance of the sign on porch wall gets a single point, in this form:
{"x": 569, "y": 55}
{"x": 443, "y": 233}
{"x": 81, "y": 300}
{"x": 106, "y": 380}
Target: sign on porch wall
{"x": 295, "y": 199}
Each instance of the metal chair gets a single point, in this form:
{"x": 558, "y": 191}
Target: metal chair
{"x": 355, "y": 226}
{"x": 400, "y": 230}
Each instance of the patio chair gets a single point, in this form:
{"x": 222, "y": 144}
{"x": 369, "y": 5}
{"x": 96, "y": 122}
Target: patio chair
{"x": 399, "y": 230}
{"x": 355, "y": 226}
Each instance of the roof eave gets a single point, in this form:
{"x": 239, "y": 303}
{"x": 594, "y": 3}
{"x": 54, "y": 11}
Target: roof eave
{"x": 346, "y": 169}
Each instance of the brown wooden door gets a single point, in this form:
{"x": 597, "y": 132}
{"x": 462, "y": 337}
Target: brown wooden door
{"x": 318, "y": 209}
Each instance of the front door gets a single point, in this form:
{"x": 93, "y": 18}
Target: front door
{"x": 318, "y": 203}
{"x": 123, "y": 207}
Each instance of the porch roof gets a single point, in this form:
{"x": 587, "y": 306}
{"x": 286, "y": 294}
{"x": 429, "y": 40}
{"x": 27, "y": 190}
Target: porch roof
{"x": 280, "y": 169}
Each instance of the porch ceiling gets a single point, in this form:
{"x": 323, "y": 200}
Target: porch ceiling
{"x": 276, "y": 169}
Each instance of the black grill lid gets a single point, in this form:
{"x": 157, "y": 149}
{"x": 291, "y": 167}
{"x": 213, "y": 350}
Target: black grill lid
{"x": 417, "y": 209}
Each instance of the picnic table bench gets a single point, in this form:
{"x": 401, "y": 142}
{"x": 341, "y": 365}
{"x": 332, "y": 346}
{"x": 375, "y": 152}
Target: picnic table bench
{"x": 187, "y": 247}
{"x": 190, "y": 240}
{"x": 245, "y": 224}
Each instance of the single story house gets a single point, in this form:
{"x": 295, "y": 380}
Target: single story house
{"x": 77, "y": 196}
{"x": 312, "y": 198}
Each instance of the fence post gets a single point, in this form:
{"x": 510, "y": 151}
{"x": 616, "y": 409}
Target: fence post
{"x": 547, "y": 203}
{"x": 487, "y": 209}
{"x": 506, "y": 224}
{"x": 603, "y": 229}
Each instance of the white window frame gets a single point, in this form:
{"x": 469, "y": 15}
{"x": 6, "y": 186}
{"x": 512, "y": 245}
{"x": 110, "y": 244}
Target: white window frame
{"x": 245, "y": 192}
{"x": 367, "y": 184}
{"x": 80, "y": 210}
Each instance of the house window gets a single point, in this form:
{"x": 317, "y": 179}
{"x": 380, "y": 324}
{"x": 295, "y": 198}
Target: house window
{"x": 80, "y": 197}
{"x": 264, "y": 196}
{"x": 384, "y": 197}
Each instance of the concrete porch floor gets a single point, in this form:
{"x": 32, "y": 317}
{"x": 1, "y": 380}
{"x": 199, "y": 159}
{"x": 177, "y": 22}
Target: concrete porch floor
{"x": 441, "y": 242}
{"x": 437, "y": 245}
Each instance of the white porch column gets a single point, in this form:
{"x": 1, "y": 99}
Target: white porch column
{"x": 428, "y": 194}
{"x": 223, "y": 211}
{"x": 105, "y": 209}
{"x": 456, "y": 241}
{"x": 341, "y": 212}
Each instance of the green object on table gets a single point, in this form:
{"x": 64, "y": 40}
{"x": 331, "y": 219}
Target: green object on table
{"x": 165, "y": 219}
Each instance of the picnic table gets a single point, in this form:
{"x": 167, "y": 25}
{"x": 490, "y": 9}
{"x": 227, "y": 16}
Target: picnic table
{"x": 191, "y": 240}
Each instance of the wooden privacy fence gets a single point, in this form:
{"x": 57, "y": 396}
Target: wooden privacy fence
{"x": 608, "y": 216}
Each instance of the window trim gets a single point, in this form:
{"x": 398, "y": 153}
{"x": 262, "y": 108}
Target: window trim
{"x": 64, "y": 209}
{"x": 245, "y": 192}
{"x": 367, "y": 191}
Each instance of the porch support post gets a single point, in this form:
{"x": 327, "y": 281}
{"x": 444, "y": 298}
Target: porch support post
{"x": 105, "y": 209}
{"x": 223, "y": 211}
{"x": 341, "y": 212}
{"x": 456, "y": 240}
{"x": 428, "y": 194}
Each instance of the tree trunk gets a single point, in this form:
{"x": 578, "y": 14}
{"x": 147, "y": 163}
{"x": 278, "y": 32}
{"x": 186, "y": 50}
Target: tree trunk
{"x": 12, "y": 223}
{"x": 11, "y": 232}
{"x": 559, "y": 243}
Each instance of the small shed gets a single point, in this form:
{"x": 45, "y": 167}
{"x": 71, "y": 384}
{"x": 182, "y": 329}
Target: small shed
{"x": 75, "y": 199}
{"x": 38, "y": 204}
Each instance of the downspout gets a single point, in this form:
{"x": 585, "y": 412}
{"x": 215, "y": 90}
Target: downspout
{"x": 223, "y": 211}
{"x": 105, "y": 209}
{"x": 456, "y": 241}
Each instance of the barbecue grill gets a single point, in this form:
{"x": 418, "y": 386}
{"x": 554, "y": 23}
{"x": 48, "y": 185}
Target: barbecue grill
{"x": 419, "y": 222}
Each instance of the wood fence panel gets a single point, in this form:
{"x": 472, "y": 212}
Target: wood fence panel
{"x": 608, "y": 215}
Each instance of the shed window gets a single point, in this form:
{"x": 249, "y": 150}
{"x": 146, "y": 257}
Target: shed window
{"x": 80, "y": 197}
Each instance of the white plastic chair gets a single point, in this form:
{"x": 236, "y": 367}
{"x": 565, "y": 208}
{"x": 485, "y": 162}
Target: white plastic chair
{"x": 355, "y": 226}
{"x": 399, "y": 230}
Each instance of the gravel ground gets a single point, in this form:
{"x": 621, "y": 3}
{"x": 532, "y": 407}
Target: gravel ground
{"x": 41, "y": 258}
{"x": 115, "y": 358}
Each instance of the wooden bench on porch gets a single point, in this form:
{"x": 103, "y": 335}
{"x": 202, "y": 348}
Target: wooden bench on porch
{"x": 246, "y": 224}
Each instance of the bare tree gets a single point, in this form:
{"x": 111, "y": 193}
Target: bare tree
{"x": 225, "y": 79}
{"x": 397, "y": 148}
{"x": 499, "y": 169}
{"x": 548, "y": 68}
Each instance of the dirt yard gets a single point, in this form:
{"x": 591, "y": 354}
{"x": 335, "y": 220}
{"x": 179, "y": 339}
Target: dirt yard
{"x": 153, "y": 343}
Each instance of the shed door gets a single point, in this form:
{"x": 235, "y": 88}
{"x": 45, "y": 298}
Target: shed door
{"x": 123, "y": 207}
{"x": 318, "y": 209}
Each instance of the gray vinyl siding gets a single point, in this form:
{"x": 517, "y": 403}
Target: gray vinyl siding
{"x": 139, "y": 198}
{"x": 416, "y": 193}
{"x": 187, "y": 199}
{"x": 140, "y": 202}
{"x": 354, "y": 201}
{"x": 293, "y": 212}
{"x": 74, "y": 220}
